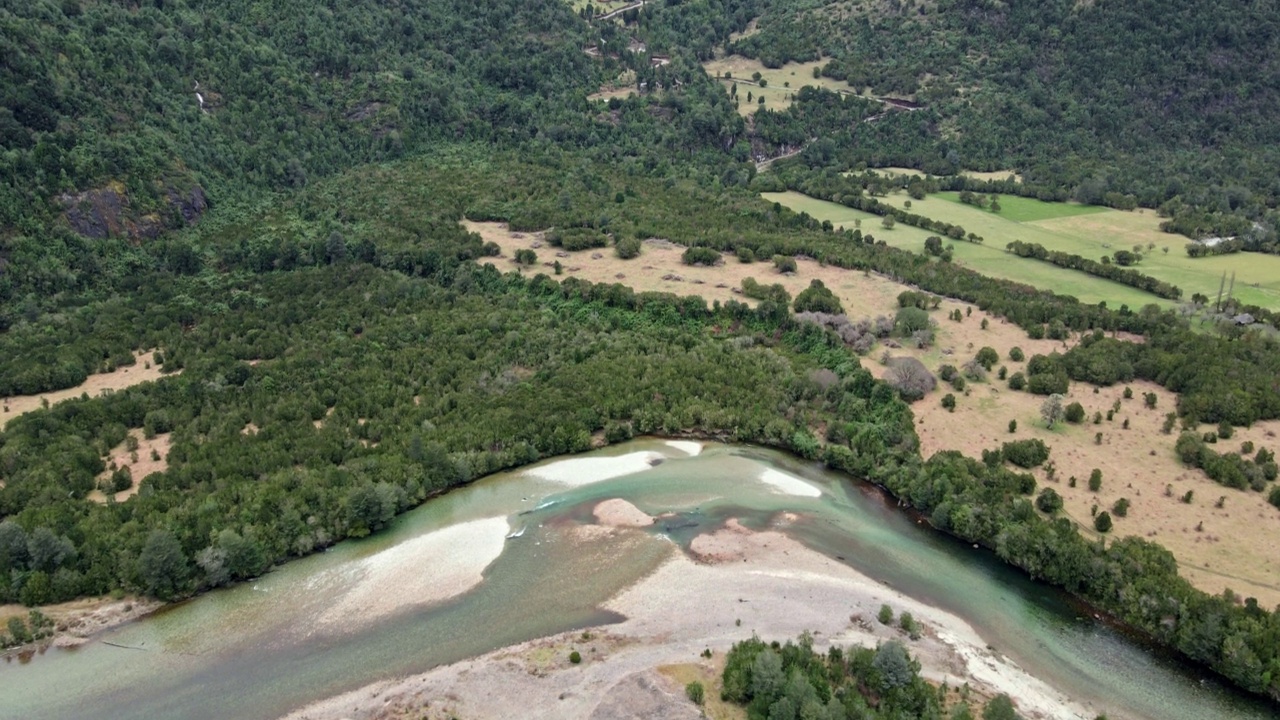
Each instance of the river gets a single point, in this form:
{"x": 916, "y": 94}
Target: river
{"x": 341, "y": 619}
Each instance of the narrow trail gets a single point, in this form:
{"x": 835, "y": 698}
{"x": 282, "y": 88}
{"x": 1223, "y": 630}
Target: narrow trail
{"x": 615, "y": 13}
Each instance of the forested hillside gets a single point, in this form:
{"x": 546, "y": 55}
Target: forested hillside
{"x": 1170, "y": 103}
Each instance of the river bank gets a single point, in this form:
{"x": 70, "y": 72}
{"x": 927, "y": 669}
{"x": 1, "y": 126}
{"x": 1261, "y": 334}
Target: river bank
{"x": 732, "y": 583}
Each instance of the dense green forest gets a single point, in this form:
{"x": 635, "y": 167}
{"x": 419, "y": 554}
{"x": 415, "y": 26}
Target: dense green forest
{"x": 1174, "y": 105}
{"x": 289, "y": 240}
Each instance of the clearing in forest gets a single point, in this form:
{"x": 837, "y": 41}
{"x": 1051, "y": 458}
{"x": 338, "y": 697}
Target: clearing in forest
{"x": 150, "y": 456}
{"x": 781, "y": 82}
{"x": 1137, "y": 463}
{"x": 144, "y": 370}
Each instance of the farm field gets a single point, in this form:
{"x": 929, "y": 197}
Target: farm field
{"x": 989, "y": 258}
{"x": 1137, "y": 462}
{"x": 776, "y": 94}
{"x": 1087, "y": 231}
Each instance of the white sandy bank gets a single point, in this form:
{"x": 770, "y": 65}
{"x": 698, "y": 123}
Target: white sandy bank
{"x": 576, "y": 472}
{"x": 691, "y": 448}
{"x": 427, "y": 569}
{"x": 772, "y": 584}
{"x": 788, "y": 484}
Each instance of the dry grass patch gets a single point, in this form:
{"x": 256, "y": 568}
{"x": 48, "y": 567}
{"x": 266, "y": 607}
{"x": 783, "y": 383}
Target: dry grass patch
{"x": 659, "y": 268}
{"x": 781, "y": 82}
{"x": 151, "y": 456}
{"x": 145, "y": 370}
{"x": 1138, "y": 464}
{"x": 709, "y": 673}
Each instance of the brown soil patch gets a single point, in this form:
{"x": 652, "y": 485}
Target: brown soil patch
{"x": 77, "y": 620}
{"x": 709, "y": 672}
{"x": 144, "y": 370}
{"x": 139, "y": 462}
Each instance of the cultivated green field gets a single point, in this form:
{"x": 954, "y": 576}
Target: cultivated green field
{"x": 1078, "y": 229}
{"x": 985, "y": 258}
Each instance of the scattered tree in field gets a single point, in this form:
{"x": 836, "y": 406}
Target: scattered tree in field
{"x": 627, "y": 248}
{"x": 888, "y": 222}
{"x": 1225, "y": 431}
{"x": 1074, "y": 413}
{"x": 701, "y": 256}
{"x": 949, "y": 402}
{"x": 1025, "y": 453}
{"x": 1128, "y": 394}
{"x": 1121, "y": 507}
{"x": 784, "y": 263}
{"x": 910, "y": 378}
{"x": 1013, "y": 426}
{"x": 818, "y": 298}
{"x": 1150, "y": 399}
{"x": 1016, "y": 354}
{"x": 1095, "y": 480}
{"x": 1102, "y": 522}
{"x": 1017, "y": 381}
{"x": 987, "y": 357}
{"x": 526, "y": 257}
{"x": 1187, "y": 498}
{"x": 1051, "y": 410}
{"x": 1170, "y": 419}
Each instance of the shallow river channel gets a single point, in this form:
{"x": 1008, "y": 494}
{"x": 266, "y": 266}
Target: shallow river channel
{"x": 355, "y": 614}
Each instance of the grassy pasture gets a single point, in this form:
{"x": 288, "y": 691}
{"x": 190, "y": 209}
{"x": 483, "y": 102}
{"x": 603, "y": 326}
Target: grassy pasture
{"x": 776, "y": 94}
{"x": 989, "y": 258}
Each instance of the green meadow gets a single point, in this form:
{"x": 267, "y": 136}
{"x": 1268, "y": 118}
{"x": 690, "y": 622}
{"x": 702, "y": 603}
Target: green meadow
{"x": 1066, "y": 227}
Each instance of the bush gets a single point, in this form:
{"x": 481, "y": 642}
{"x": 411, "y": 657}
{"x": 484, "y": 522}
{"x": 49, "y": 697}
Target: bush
{"x": 1016, "y": 354}
{"x": 700, "y": 256}
{"x": 1121, "y": 507}
{"x": 784, "y": 263}
{"x": 1128, "y": 393}
{"x": 526, "y": 257}
{"x": 909, "y": 320}
{"x": 1013, "y": 426}
{"x": 1274, "y": 498}
{"x": 1017, "y": 381}
{"x": 818, "y": 298}
{"x": 885, "y": 615}
{"x": 1225, "y": 431}
{"x": 1150, "y": 399}
{"x": 949, "y": 402}
{"x": 987, "y": 357}
{"x": 946, "y": 372}
{"x": 957, "y": 383}
{"x": 1055, "y": 383}
{"x": 1074, "y": 413}
{"x": 1049, "y": 501}
{"x": 1102, "y": 522}
{"x": 1025, "y": 453}
{"x": 746, "y": 255}
{"x": 575, "y": 657}
{"x": 1095, "y": 480}
{"x": 627, "y": 248}
{"x": 695, "y": 692}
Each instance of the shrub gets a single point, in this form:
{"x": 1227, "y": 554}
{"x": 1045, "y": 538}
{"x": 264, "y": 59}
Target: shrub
{"x": 700, "y": 256}
{"x": 1095, "y": 480}
{"x": 1274, "y": 498}
{"x": 1013, "y": 426}
{"x": 958, "y": 383}
{"x": 1025, "y": 453}
{"x": 1004, "y": 372}
{"x": 1121, "y": 507}
{"x": 1128, "y": 393}
{"x": 745, "y": 255}
{"x": 1017, "y": 381}
{"x": 946, "y": 372}
{"x": 909, "y": 320}
{"x": 695, "y": 692}
{"x": 627, "y": 248}
{"x": 1016, "y": 354}
{"x": 575, "y": 657}
{"x": 949, "y": 402}
{"x": 818, "y": 298}
{"x": 1225, "y": 431}
{"x": 1102, "y": 522}
{"x": 987, "y": 357}
{"x": 1246, "y": 448}
{"x": 1055, "y": 383}
{"x": 908, "y": 624}
{"x": 885, "y": 615}
{"x": 784, "y": 263}
{"x": 1074, "y": 413}
{"x": 1188, "y": 496}
{"x": 526, "y": 257}
{"x": 1150, "y": 399}
{"x": 1049, "y": 501}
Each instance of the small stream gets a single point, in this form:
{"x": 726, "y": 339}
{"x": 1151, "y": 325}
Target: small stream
{"x": 341, "y": 619}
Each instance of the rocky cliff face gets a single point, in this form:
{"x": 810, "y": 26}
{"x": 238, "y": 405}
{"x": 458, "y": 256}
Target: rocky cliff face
{"x": 107, "y": 212}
